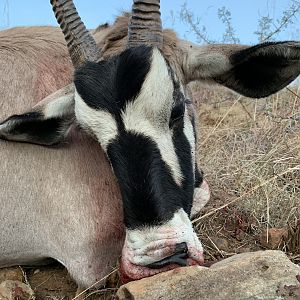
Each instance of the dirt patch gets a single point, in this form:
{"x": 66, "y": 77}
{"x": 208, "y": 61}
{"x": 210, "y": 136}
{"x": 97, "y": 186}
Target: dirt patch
{"x": 51, "y": 282}
{"x": 54, "y": 282}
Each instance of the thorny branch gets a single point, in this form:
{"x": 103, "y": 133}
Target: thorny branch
{"x": 265, "y": 23}
{"x": 287, "y": 18}
{"x": 229, "y": 35}
{"x": 187, "y": 16}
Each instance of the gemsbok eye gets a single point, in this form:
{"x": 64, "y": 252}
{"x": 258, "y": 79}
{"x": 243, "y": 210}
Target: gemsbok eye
{"x": 177, "y": 114}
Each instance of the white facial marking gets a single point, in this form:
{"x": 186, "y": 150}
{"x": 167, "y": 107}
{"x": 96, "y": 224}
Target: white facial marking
{"x": 100, "y": 122}
{"x": 189, "y": 133}
{"x": 150, "y": 112}
{"x": 201, "y": 197}
{"x": 152, "y": 244}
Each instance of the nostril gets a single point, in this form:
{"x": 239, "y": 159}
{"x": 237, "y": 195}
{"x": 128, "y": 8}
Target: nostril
{"x": 179, "y": 257}
{"x": 181, "y": 248}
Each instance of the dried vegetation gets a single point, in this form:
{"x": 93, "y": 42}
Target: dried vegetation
{"x": 250, "y": 152}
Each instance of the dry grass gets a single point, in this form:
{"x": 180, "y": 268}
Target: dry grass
{"x": 244, "y": 145}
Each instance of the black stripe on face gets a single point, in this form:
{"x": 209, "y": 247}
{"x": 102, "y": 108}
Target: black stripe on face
{"x": 198, "y": 176}
{"x": 150, "y": 194}
{"x": 184, "y": 154}
{"x": 109, "y": 85}
{"x": 182, "y": 145}
{"x": 180, "y": 100}
{"x": 95, "y": 83}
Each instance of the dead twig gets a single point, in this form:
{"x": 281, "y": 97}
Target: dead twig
{"x": 246, "y": 194}
{"x": 97, "y": 282}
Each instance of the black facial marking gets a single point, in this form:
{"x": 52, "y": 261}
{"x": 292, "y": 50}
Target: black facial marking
{"x": 198, "y": 176}
{"x": 132, "y": 68}
{"x": 95, "y": 83}
{"x": 183, "y": 152}
{"x": 178, "y": 109}
{"x": 109, "y": 85}
{"x": 150, "y": 194}
{"x": 177, "y": 113}
{"x": 149, "y": 191}
{"x": 35, "y": 128}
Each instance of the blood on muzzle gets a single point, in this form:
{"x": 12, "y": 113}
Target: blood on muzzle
{"x": 179, "y": 257}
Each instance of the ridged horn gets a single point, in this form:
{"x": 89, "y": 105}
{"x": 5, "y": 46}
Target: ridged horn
{"x": 81, "y": 44}
{"x": 145, "y": 24}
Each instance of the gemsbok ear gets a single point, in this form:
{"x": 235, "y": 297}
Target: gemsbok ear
{"x": 255, "y": 72}
{"x": 47, "y": 123}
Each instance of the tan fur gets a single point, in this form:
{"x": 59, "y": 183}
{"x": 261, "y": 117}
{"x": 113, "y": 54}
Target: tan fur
{"x": 65, "y": 197}
{"x": 113, "y": 40}
{"x": 34, "y": 62}
{"x": 204, "y": 62}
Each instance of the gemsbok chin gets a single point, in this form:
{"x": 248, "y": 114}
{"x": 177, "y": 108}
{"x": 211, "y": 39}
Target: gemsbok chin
{"x": 122, "y": 179}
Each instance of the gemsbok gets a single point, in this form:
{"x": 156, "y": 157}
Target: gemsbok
{"x": 125, "y": 110}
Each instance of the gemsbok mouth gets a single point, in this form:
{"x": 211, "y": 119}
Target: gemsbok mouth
{"x": 130, "y": 272}
{"x": 152, "y": 250}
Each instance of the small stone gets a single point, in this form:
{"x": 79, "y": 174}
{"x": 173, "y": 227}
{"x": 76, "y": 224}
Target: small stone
{"x": 221, "y": 243}
{"x": 273, "y": 238}
{"x": 15, "y": 290}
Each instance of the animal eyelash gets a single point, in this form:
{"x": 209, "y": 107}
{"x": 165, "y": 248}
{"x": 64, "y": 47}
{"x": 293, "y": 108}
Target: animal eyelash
{"x": 188, "y": 101}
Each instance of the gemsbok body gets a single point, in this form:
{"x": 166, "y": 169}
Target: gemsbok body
{"x": 114, "y": 173}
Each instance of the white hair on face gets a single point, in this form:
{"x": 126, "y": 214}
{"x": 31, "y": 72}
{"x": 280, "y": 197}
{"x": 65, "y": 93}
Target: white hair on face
{"x": 188, "y": 130}
{"x": 150, "y": 244}
{"x": 101, "y": 123}
{"x": 150, "y": 112}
